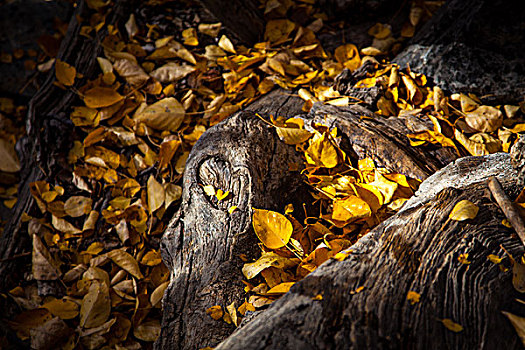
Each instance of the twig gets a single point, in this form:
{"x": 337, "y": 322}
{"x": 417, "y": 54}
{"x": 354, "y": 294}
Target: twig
{"x": 508, "y": 208}
{"x": 15, "y": 257}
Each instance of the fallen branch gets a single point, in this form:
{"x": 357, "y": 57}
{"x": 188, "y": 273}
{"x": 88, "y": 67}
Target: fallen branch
{"x": 508, "y": 208}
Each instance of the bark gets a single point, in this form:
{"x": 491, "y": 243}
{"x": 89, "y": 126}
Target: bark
{"x": 243, "y": 155}
{"x": 415, "y": 250}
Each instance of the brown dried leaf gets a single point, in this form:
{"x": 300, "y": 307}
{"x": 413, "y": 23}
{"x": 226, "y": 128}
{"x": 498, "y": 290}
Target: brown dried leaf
{"x": 166, "y": 114}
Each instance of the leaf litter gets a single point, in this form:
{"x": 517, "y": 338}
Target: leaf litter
{"x": 137, "y": 120}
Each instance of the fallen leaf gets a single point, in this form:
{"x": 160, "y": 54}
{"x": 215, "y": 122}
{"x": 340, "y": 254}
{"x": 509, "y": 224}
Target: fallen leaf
{"x": 96, "y": 305}
{"x": 44, "y": 266}
{"x": 63, "y": 308}
{"x": 350, "y": 208}
{"x": 518, "y": 323}
{"x": 156, "y": 194}
{"x": 98, "y": 97}
{"x": 321, "y": 152}
{"x": 232, "y": 310}
{"x": 171, "y": 72}
{"x": 166, "y": 114}
{"x": 148, "y": 330}
{"x": 413, "y": 297}
{"x": 65, "y": 73}
{"x": 126, "y": 262}
{"x": 273, "y": 229}
{"x": 464, "y": 210}
{"x": 484, "y": 119}
{"x": 215, "y": 312}
{"x": 158, "y": 293}
{"x": 76, "y": 206}
{"x": 451, "y": 325}
{"x": 226, "y": 44}
{"x": 281, "y": 288}
{"x": 267, "y": 259}
{"x": 9, "y": 163}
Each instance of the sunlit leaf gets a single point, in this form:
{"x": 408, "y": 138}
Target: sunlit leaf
{"x": 215, "y": 312}
{"x": 268, "y": 259}
{"x": 464, "y": 210}
{"x": 273, "y": 229}
{"x": 350, "y": 208}
{"x": 322, "y": 152}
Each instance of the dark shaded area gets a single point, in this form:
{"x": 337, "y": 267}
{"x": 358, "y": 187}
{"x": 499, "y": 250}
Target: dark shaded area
{"x": 473, "y": 46}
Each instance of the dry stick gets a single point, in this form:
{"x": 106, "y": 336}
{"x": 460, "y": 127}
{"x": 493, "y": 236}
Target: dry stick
{"x": 508, "y": 207}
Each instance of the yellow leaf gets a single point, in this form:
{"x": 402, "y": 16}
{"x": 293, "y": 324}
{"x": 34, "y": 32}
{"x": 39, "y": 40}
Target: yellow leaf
{"x": 166, "y": 114}
{"x": 293, "y": 136}
{"x": 232, "y": 310}
{"x": 64, "y": 226}
{"x": 211, "y": 29}
{"x": 273, "y": 229}
{"x": 148, "y": 330}
{"x": 518, "y": 323}
{"x": 281, "y": 288}
{"x": 348, "y": 56}
{"x": 172, "y": 193}
{"x": 413, "y": 297}
{"x": 190, "y": 37}
{"x": 156, "y": 194}
{"x": 484, "y": 119}
{"x": 171, "y": 72}
{"x": 65, "y": 73}
{"x": 451, "y": 325}
{"x": 63, "y": 308}
{"x": 318, "y": 297}
{"x": 96, "y": 305}
{"x": 267, "y": 259}
{"x": 215, "y": 312}
{"x": 226, "y": 44}
{"x": 464, "y": 210}
{"x": 463, "y": 258}
{"x": 494, "y": 258}
{"x": 221, "y": 194}
{"x": 85, "y": 116}
{"x": 126, "y": 262}
{"x": 95, "y": 248}
{"x": 386, "y": 187}
{"x": 130, "y": 71}
{"x": 232, "y": 209}
{"x": 321, "y": 152}
{"x": 158, "y": 293}
{"x": 350, "y": 208}
{"x": 99, "y": 97}
{"x": 77, "y": 206}
{"x": 151, "y": 258}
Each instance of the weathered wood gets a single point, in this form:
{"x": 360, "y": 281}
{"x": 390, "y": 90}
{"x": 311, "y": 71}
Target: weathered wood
{"x": 384, "y": 139}
{"x": 415, "y": 250}
{"x": 244, "y": 156}
{"x": 202, "y": 244}
{"x": 508, "y": 208}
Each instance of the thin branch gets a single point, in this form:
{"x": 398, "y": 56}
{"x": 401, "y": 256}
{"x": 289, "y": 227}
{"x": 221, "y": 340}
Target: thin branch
{"x": 508, "y": 208}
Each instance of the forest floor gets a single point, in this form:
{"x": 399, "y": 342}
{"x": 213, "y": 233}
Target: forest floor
{"x": 94, "y": 275}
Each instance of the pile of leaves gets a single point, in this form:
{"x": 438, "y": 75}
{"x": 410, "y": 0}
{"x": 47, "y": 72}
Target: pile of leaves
{"x": 97, "y": 277}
